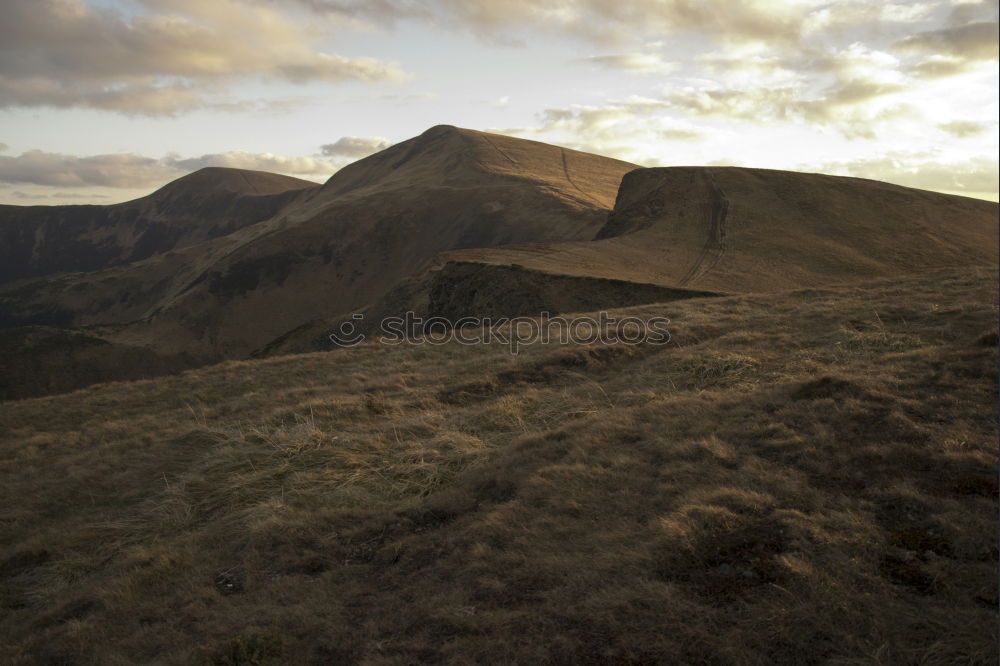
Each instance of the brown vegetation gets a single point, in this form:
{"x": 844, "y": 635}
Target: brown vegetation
{"x": 799, "y": 477}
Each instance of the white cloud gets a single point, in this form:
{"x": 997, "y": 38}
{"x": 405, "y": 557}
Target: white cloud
{"x": 643, "y": 63}
{"x": 237, "y": 159}
{"x": 964, "y": 128}
{"x": 61, "y": 197}
{"x": 626, "y": 129}
{"x": 43, "y": 168}
{"x": 37, "y": 167}
{"x": 354, "y": 146}
{"x": 973, "y": 177}
{"x": 600, "y": 21}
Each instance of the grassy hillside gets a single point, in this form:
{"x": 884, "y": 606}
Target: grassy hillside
{"x": 737, "y": 230}
{"x": 801, "y": 477}
{"x": 43, "y": 360}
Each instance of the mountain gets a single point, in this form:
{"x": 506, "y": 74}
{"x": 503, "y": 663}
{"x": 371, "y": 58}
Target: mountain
{"x": 681, "y": 232}
{"x": 337, "y": 247}
{"x": 798, "y": 465}
{"x": 42, "y": 240}
{"x": 736, "y": 230}
{"x": 458, "y": 222}
{"x": 387, "y": 217}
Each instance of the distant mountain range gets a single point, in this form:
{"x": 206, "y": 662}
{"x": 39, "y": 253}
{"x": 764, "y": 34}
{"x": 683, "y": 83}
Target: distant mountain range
{"x": 226, "y": 264}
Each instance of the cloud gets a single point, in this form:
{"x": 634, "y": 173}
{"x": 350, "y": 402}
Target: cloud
{"x": 354, "y": 146}
{"x": 595, "y": 123}
{"x": 974, "y": 41}
{"x": 28, "y": 196}
{"x": 852, "y": 18}
{"x": 680, "y": 134}
{"x": 297, "y": 166}
{"x": 600, "y": 21}
{"x": 73, "y": 196}
{"x": 37, "y": 167}
{"x": 78, "y": 195}
{"x": 850, "y": 89}
{"x": 3, "y": 147}
{"x": 136, "y": 98}
{"x": 971, "y": 11}
{"x": 623, "y": 129}
{"x": 55, "y": 169}
{"x": 939, "y": 67}
{"x": 177, "y": 56}
{"x": 953, "y": 50}
{"x": 976, "y": 176}
{"x": 634, "y": 62}
{"x": 964, "y": 128}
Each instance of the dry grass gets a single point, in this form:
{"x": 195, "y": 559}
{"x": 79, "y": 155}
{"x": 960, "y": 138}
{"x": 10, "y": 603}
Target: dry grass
{"x": 797, "y": 478}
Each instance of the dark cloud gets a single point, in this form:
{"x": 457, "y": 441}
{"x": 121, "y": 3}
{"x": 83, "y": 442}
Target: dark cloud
{"x": 181, "y": 56}
{"x": 354, "y": 146}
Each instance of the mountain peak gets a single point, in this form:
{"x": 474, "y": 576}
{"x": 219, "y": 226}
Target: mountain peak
{"x": 214, "y": 180}
{"x": 443, "y": 129}
{"x": 450, "y": 156}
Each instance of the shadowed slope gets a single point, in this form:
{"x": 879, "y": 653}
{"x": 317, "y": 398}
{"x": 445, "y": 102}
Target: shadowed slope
{"x": 211, "y": 202}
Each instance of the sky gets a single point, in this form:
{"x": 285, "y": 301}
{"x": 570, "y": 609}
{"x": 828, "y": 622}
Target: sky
{"x": 104, "y": 101}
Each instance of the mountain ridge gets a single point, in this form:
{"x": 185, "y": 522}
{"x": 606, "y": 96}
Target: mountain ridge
{"x": 572, "y": 230}
{"x": 205, "y": 204}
